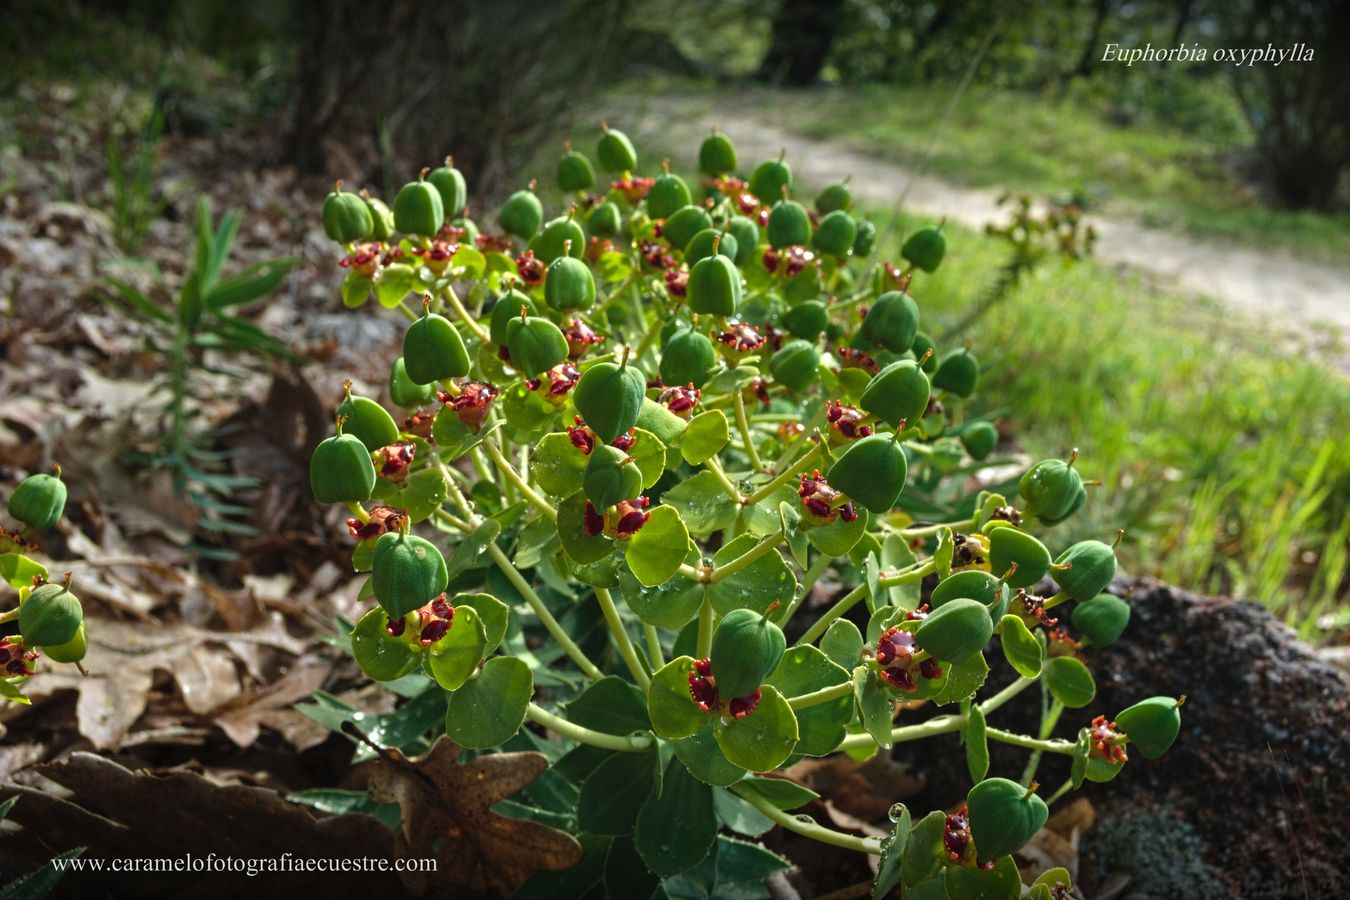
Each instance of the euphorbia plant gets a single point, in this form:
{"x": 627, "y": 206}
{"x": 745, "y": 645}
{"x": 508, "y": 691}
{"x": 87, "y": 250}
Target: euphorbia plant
{"x": 639, "y": 433}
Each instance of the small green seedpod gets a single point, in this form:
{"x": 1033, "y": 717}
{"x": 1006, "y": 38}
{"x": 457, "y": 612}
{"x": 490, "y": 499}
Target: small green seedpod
{"x": 407, "y": 572}
{"x": 366, "y": 420}
{"x": 604, "y": 221}
{"x": 795, "y": 364}
{"x": 535, "y": 344}
{"x": 979, "y": 438}
{"x": 924, "y": 348}
{"x": 702, "y": 245}
{"x": 714, "y": 286}
{"x": 1091, "y": 566}
{"x": 615, "y": 151}
{"x": 717, "y": 155}
{"x": 871, "y": 471}
{"x": 1152, "y": 725}
{"x": 575, "y": 172}
{"x": 72, "y": 651}
{"x": 418, "y": 208}
{"x": 560, "y": 237}
{"x": 680, "y": 226}
{"x": 405, "y": 392}
{"x": 899, "y": 392}
{"x": 521, "y": 214}
{"x": 346, "y": 217}
{"x": 866, "y": 241}
{"x": 610, "y": 476}
{"x": 835, "y": 234}
{"x": 1052, "y": 490}
{"x": 892, "y": 322}
{"x": 746, "y": 647}
{"x": 746, "y": 233}
{"x": 1004, "y": 816}
{"x": 807, "y": 319}
{"x": 1102, "y": 620}
{"x": 381, "y": 217}
{"x": 39, "y": 500}
{"x": 956, "y": 631}
{"x": 971, "y": 584}
{"x": 770, "y": 178}
{"x": 687, "y": 358}
{"x": 925, "y": 248}
{"x": 1009, "y": 546}
{"x": 340, "y": 471}
{"x": 449, "y": 182}
{"x": 609, "y": 397}
{"x": 788, "y": 225}
{"x": 667, "y": 194}
{"x": 507, "y": 308}
{"x": 958, "y": 373}
{"x": 51, "y": 615}
{"x": 569, "y": 284}
{"x": 433, "y": 350}
{"x": 834, "y": 197}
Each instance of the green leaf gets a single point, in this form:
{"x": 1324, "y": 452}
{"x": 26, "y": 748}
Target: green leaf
{"x": 767, "y": 579}
{"x": 615, "y": 791}
{"x": 556, "y": 465}
{"x": 536, "y": 542}
{"x": 1053, "y": 877}
{"x": 962, "y": 680}
{"x": 895, "y": 554}
{"x": 469, "y": 260}
{"x": 762, "y": 740}
{"x": 791, "y": 518}
{"x": 471, "y": 549}
{"x": 576, "y": 543}
{"x": 421, "y": 495}
{"x": 923, "y": 855}
{"x": 977, "y": 744}
{"x": 335, "y": 801}
{"x": 611, "y": 705}
{"x": 703, "y": 503}
{"x": 673, "y": 711}
{"x": 741, "y": 862}
{"x": 892, "y": 852}
{"x": 380, "y": 656}
{"x": 763, "y": 518}
{"x": 740, "y": 816}
{"x": 626, "y": 875}
{"x": 946, "y": 549}
{"x": 41, "y": 881}
{"x": 705, "y": 760}
{"x": 782, "y": 793}
{"x": 9, "y": 691}
{"x": 396, "y": 281}
{"x": 490, "y": 709}
{"x": 705, "y": 437}
{"x": 874, "y": 705}
{"x": 658, "y": 549}
{"x": 726, "y": 380}
{"x": 355, "y": 290}
{"x": 803, "y": 670}
{"x": 838, "y": 537}
{"x": 1082, "y": 750}
{"x": 670, "y": 605}
{"x": 492, "y": 613}
{"x": 676, "y": 828}
{"x": 649, "y": 455}
{"x": 18, "y": 570}
{"x": 843, "y": 644}
{"x": 253, "y": 283}
{"x": 455, "y": 657}
{"x": 1020, "y": 647}
{"x": 1069, "y": 682}
{"x": 999, "y": 883}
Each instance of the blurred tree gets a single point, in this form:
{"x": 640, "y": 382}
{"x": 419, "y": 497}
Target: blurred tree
{"x": 803, "y": 34}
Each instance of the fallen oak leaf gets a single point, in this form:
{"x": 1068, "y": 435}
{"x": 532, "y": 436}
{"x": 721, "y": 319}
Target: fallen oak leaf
{"x": 446, "y": 809}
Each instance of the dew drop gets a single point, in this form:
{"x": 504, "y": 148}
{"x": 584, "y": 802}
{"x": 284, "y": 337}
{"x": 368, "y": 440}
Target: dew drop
{"x": 896, "y": 811}
{"x": 804, "y": 819}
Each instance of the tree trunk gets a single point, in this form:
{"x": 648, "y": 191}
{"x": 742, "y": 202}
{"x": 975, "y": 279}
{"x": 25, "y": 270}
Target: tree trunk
{"x": 1084, "y": 67}
{"x": 802, "y": 36}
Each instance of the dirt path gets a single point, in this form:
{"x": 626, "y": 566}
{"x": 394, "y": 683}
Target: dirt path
{"x": 1310, "y": 301}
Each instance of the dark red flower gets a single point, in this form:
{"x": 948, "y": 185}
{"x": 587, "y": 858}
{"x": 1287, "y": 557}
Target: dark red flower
{"x": 580, "y": 338}
{"x": 677, "y": 282}
{"x": 364, "y": 259}
{"x": 740, "y": 707}
{"x": 850, "y": 358}
{"x": 702, "y": 685}
{"x": 395, "y": 460}
{"x": 845, "y": 420}
{"x": 740, "y": 338}
{"x": 680, "y": 400}
{"x": 592, "y": 522}
{"x": 438, "y": 255}
{"x": 819, "y": 499}
{"x": 956, "y": 838}
{"x": 630, "y": 516}
{"x": 16, "y": 660}
{"x": 1107, "y": 742}
{"x": 582, "y": 437}
{"x": 530, "y": 267}
{"x": 495, "y": 243}
{"x": 382, "y": 519}
{"x": 633, "y": 188}
{"x": 472, "y": 403}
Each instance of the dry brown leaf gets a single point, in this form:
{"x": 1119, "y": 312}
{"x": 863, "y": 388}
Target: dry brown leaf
{"x": 864, "y": 790}
{"x": 242, "y": 719}
{"x": 446, "y": 813}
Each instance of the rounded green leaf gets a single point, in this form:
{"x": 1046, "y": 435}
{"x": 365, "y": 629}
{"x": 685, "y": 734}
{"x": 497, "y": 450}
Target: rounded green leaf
{"x": 838, "y": 537}
{"x": 1020, "y": 647}
{"x": 1069, "y": 681}
{"x": 649, "y": 455}
{"x": 615, "y": 791}
{"x": 381, "y": 656}
{"x": 455, "y": 657}
{"x": 923, "y": 855}
{"x": 493, "y": 613}
{"x": 999, "y": 883}
{"x": 670, "y": 605}
{"x": 611, "y": 705}
{"x": 803, "y": 670}
{"x": 762, "y": 740}
{"x": 977, "y": 744}
{"x": 656, "y": 552}
{"x": 672, "y": 708}
{"x": 703, "y": 504}
{"x": 490, "y": 709}
{"x": 757, "y": 585}
{"x": 843, "y": 644}
{"x": 576, "y": 543}
{"x": 556, "y": 465}
{"x": 706, "y": 435}
{"x": 677, "y": 827}
{"x": 705, "y": 760}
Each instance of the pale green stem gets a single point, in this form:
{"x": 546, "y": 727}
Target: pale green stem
{"x": 705, "y": 627}
{"x": 557, "y": 724}
{"x": 910, "y": 575}
{"x": 808, "y": 827}
{"x": 930, "y": 530}
{"x": 554, "y": 628}
{"x": 743, "y": 424}
{"x": 787, "y": 475}
{"x": 841, "y": 606}
{"x": 824, "y": 695}
{"x": 407, "y": 311}
{"x": 478, "y": 330}
{"x": 626, "y": 648}
{"x": 654, "y": 646}
{"x": 359, "y": 512}
{"x": 765, "y": 546}
{"x": 1031, "y": 743}
{"x": 720, "y": 474}
{"x": 818, "y": 567}
{"x": 941, "y": 724}
{"x": 504, "y": 466}
{"x": 9, "y": 616}
{"x": 1047, "y": 726}
{"x": 1060, "y": 791}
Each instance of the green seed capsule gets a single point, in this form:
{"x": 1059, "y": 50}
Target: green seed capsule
{"x": 700, "y": 246}
{"x": 866, "y": 241}
{"x": 714, "y": 287}
{"x": 807, "y": 319}
{"x": 958, "y": 373}
{"x": 898, "y": 392}
{"x": 561, "y": 237}
{"x": 717, "y": 155}
{"x": 405, "y": 392}
{"x": 569, "y": 284}
{"x": 604, "y": 221}
{"x": 923, "y": 345}
{"x": 615, "y": 151}
{"x": 367, "y": 421}
{"x": 507, "y": 308}
{"x": 836, "y": 233}
{"x": 72, "y": 651}
{"x": 795, "y": 365}
{"x": 521, "y": 214}
{"x": 788, "y": 225}
{"x": 971, "y": 584}
{"x": 575, "y": 172}
{"x": 668, "y": 193}
{"x": 610, "y": 476}
{"x": 1052, "y": 490}
{"x": 871, "y": 471}
{"x": 470, "y": 229}
{"x": 346, "y": 217}
{"x": 38, "y": 501}
{"x": 535, "y": 344}
{"x": 418, "y": 209}
{"x": 1008, "y": 546}
{"x": 687, "y": 358}
{"x": 449, "y": 182}
{"x": 51, "y": 616}
{"x": 1004, "y": 816}
{"x": 979, "y": 439}
{"x": 1102, "y": 619}
{"x": 956, "y": 631}
{"x": 925, "y": 248}
{"x": 746, "y": 647}
{"x": 834, "y": 198}
{"x": 609, "y": 397}
{"x": 433, "y": 350}
{"x": 1152, "y": 725}
{"x": 769, "y": 179}
{"x": 407, "y": 572}
{"x": 1092, "y": 565}
{"x": 381, "y": 217}
{"x": 746, "y": 233}
{"x": 340, "y": 471}
{"x": 892, "y": 322}
{"x": 681, "y": 225}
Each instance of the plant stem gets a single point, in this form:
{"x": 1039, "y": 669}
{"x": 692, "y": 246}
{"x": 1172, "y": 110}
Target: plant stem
{"x": 658, "y": 657}
{"x": 841, "y": 606}
{"x": 940, "y": 724}
{"x": 808, "y": 827}
{"x": 713, "y": 466}
{"x": 765, "y": 546}
{"x": 504, "y": 466}
{"x": 626, "y": 648}
{"x": 824, "y": 695}
{"x": 1060, "y": 791}
{"x": 930, "y": 530}
{"x": 557, "y": 724}
{"x": 1022, "y": 740}
{"x": 788, "y": 473}
{"x": 359, "y": 512}
{"x": 9, "y": 616}
{"x": 478, "y": 330}
{"x": 908, "y": 576}
{"x": 743, "y": 424}
{"x": 554, "y": 628}
{"x": 705, "y": 627}
{"x": 1048, "y": 723}
{"x": 818, "y": 567}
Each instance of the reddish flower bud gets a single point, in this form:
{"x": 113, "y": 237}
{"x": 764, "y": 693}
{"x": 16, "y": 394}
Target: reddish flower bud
{"x": 530, "y": 267}
{"x": 1107, "y": 742}
{"x": 472, "y": 403}
{"x": 580, "y": 338}
{"x": 680, "y": 400}
{"x": 394, "y": 460}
